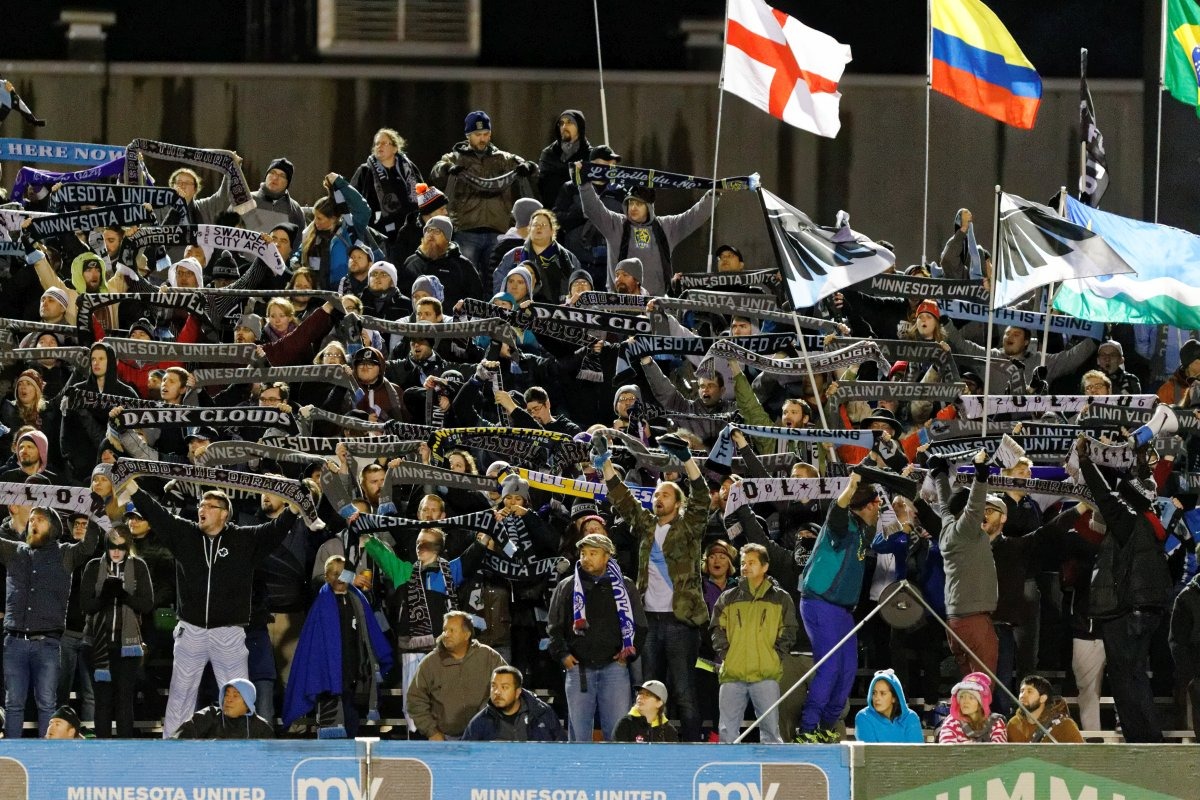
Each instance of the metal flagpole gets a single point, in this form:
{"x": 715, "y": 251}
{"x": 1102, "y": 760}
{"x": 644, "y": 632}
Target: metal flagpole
{"x": 712, "y": 213}
{"x": 1051, "y": 289}
{"x": 1162, "y": 71}
{"x": 987, "y": 353}
{"x": 600, "y": 64}
{"x": 928, "y": 90}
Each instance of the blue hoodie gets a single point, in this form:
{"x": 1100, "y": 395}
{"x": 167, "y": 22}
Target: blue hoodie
{"x": 872, "y": 727}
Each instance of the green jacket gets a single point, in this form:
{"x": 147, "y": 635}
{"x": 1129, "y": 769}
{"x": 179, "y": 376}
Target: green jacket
{"x": 681, "y": 548}
{"x": 752, "y": 631}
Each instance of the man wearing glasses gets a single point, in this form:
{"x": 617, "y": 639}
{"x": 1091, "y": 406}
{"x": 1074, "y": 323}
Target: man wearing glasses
{"x": 216, "y": 563}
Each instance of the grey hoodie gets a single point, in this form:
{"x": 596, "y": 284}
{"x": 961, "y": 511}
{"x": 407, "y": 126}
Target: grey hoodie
{"x": 642, "y": 242}
{"x": 971, "y": 584}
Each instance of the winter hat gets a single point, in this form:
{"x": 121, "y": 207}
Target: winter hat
{"x": 35, "y": 376}
{"x": 1189, "y": 352}
{"x": 224, "y": 266}
{"x": 245, "y": 688}
{"x": 522, "y": 211}
{"x": 102, "y": 469}
{"x": 477, "y": 121}
{"x": 291, "y": 229}
{"x": 598, "y": 540}
{"x": 580, "y": 274}
{"x": 632, "y": 267}
{"x": 252, "y": 323}
{"x": 514, "y": 484}
{"x": 284, "y": 166}
{"x": 68, "y": 715}
{"x": 728, "y": 248}
{"x": 368, "y": 355}
{"x": 385, "y": 268}
{"x": 56, "y": 293}
{"x": 899, "y": 368}
{"x": 525, "y": 275}
{"x": 505, "y": 296}
{"x": 192, "y": 266}
{"x": 429, "y": 198}
{"x": 978, "y": 684}
{"x": 359, "y": 244}
{"x": 39, "y": 441}
{"x": 643, "y": 193}
{"x": 603, "y": 152}
{"x": 443, "y": 224}
{"x": 431, "y": 285}
{"x": 997, "y": 502}
{"x": 143, "y": 325}
{"x": 1113, "y": 344}
{"x": 630, "y": 388}
{"x": 582, "y": 509}
{"x": 929, "y": 307}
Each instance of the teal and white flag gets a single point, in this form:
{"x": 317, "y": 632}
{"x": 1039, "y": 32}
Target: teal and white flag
{"x": 1166, "y": 287}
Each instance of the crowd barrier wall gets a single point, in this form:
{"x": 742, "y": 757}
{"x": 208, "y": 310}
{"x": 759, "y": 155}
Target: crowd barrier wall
{"x": 323, "y": 117}
{"x": 362, "y": 770}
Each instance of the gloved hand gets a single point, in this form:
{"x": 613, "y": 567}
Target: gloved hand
{"x": 524, "y": 169}
{"x": 937, "y": 465}
{"x": 676, "y": 447}
{"x": 600, "y": 451}
{"x": 455, "y": 169}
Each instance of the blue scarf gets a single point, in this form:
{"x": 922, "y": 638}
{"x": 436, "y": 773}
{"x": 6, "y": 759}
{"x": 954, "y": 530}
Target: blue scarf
{"x": 624, "y": 607}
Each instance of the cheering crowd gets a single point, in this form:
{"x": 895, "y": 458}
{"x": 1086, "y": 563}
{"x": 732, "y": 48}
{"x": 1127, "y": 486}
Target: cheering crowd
{"x": 303, "y": 453}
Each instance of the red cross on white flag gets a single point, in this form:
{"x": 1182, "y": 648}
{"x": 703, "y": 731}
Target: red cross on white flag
{"x": 784, "y": 67}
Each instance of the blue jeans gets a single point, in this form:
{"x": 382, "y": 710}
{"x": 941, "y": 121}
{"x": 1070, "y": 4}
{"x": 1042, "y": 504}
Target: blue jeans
{"x": 75, "y": 672}
{"x": 608, "y": 694}
{"x": 477, "y": 247}
{"x": 733, "y": 707}
{"x": 826, "y": 624}
{"x": 670, "y": 654}
{"x": 29, "y": 662}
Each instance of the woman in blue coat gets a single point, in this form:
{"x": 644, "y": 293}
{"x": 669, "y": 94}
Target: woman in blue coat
{"x": 888, "y": 719}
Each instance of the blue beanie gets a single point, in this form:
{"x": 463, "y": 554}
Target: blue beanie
{"x": 477, "y": 121}
{"x": 245, "y": 688}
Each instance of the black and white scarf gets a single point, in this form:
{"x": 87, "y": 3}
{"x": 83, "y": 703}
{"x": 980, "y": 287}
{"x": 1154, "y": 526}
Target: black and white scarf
{"x": 73, "y": 196}
{"x": 658, "y": 179}
{"x": 289, "y": 490}
{"x": 782, "y": 490}
{"x": 797, "y": 367}
{"x": 221, "y": 160}
{"x": 711, "y": 280}
{"x": 515, "y": 558}
{"x": 1030, "y": 320}
{"x": 1046, "y": 404}
{"x": 306, "y": 373}
{"x": 939, "y": 289}
{"x": 416, "y": 607}
{"x": 611, "y": 300}
{"x": 152, "y": 351}
{"x": 387, "y": 189}
{"x": 240, "y": 240}
{"x": 875, "y": 391}
{"x": 69, "y": 499}
{"x": 365, "y": 447}
{"x": 411, "y": 473}
{"x": 89, "y": 303}
{"x": 727, "y": 305}
{"x": 40, "y": 327}
{"x": 1030, "y": 485}
{"x": 120, "y": 216}
{"x": 531, "y": 446}
{"x": 161, "y": 236}
{"x": 195, "y": 416}
{"x": 914, "y": 352}
{"x": 723, "y": 450}
{"x": 76, "y": 398}
{"x": 75, "y": 356}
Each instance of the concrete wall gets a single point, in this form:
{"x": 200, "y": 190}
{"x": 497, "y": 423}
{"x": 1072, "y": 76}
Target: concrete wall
{"x": 322, "y": 117}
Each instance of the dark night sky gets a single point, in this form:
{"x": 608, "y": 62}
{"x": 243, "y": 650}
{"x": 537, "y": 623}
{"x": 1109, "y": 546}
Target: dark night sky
{"x": 887, "y": 37}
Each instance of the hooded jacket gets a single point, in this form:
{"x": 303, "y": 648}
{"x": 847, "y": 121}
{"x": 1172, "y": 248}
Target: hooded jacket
{"x": 972, "y": 586}
{"x": 82, "y": 432}
{"x": 873, "y": 727}
{"x": 643, "y": 243}
{"x": 1055, "y": 716}
{"x": 458, "y": 275}
{"x": 478, "y": 209}
{"x": 534, "y": 722}
{"x": 554, "y": 165}
{"x": 752, "y": 629}
{"x": 270, "y": 211}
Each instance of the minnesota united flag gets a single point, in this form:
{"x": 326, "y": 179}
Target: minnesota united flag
{"x": 818, "y": 261}
{"x": 1038, "y": 247}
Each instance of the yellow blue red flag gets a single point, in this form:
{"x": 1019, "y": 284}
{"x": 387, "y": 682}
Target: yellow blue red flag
{"x": 976, "y": 61}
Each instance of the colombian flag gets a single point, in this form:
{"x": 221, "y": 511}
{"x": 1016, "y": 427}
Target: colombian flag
{"x": 976, "y": 61}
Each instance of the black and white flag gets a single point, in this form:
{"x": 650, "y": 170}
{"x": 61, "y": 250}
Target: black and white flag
{"x": 1038, "y": 247}
{"x": 817, "y": 261}
{"x": 1093, "y": 179}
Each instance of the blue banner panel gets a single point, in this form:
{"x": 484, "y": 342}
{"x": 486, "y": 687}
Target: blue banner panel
{"x": 44, "y": 151}
{"x": 310, "y": 770}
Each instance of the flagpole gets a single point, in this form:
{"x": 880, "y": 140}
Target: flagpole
{"x": 712, "y": 213}
{"x": 1051, "y": 289}
{"x": 987, "y": 353}
{"x": 1083, "y": 135}
{"x": 928, "y": 89}
{"x": 1162, "y": 71}
{"x": 600, "y": 64}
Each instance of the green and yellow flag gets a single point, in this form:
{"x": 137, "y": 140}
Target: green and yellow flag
{"x": 1182, "y": 57}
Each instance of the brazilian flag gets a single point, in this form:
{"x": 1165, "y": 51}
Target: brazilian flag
{"x": 1182, "y": 64}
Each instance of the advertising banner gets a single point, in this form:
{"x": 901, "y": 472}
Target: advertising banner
{"x": 1026, "y": 772}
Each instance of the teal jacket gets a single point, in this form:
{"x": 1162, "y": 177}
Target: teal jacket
{"x": 834, "y": 572}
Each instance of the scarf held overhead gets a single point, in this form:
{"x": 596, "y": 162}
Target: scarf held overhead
{"x": 118, "y": 216}
{"x": 222, "y": 160}
{"x": 240, "y": 240}
{"x": 658, "y": 179}
{"x": 723, "y": 450}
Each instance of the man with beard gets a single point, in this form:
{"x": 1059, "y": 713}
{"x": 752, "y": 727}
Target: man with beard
{"x": 37, "y": 588}
{"x": 32, "y": 451}
{"x": 710, "y": 399}
{"x": 569, "y": 146}
{"x": 481, "y": 214}
{"x": 1041, "y": 708}
{"x": 440, "y": 257}
{"x": 273, "y": 203}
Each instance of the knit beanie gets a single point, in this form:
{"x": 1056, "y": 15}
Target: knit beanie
{"x": 34, "y": 376}
{"x": 631, "y": 388}
{"x": 632, "y": 267}
{"x": 284, "y": 166}
{"x": 514, "y": 484}
{"x": 477, "y": 121}
{"x": 524, "y": 274}
{"x": 522, "y": 211}
{"x": 431, "y": 285}
{"x": 245, "y": 688}
{"x": 443, "y": 224}
{"x": 385, "y": 268}
{"x": 39, "y": 441}
{"x": 429, "y": 198}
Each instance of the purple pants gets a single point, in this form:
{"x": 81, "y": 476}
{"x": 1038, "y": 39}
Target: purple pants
{"x": 829, "y": 690}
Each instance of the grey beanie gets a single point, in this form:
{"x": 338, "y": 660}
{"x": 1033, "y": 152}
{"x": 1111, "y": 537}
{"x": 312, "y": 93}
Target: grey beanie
{"x": 252, "y": 323}
{"x": 633, "y": 266}
{"x": 443, "y": 224}
{"x": 514, "y": 484}
{"x": 522, "y": 211}
{"x": 629, "y": 387}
